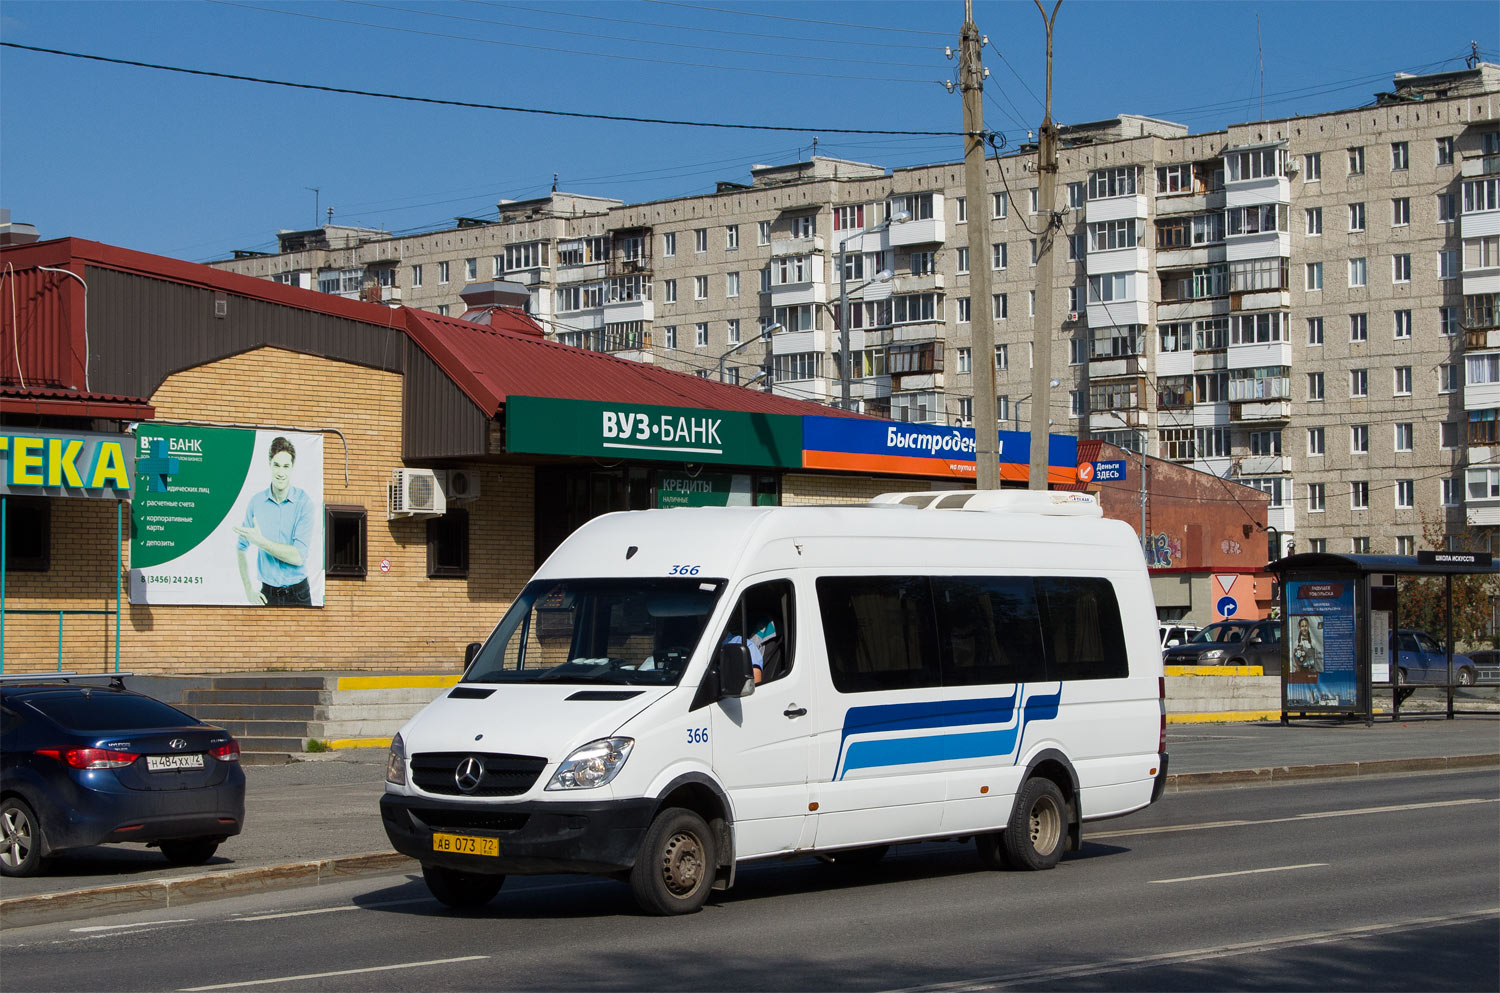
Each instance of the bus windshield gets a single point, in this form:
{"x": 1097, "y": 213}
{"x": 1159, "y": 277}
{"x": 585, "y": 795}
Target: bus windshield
{"x": 633, "y": 632}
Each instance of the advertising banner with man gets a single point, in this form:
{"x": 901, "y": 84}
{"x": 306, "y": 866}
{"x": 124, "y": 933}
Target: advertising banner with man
{"x": 227, "y": 517}
{"x": 1321, "y": 669}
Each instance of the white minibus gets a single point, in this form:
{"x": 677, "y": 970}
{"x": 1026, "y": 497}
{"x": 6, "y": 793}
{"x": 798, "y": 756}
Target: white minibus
{"x": 678, "y": 692}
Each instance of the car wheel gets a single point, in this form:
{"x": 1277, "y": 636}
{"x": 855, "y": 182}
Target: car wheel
{"x": 1038, "y": 828}
{"x": 189, "y": 851}
{"x": 1400, "y": 679}
{"x": 856, "y": 859}
{"x": 461, "y": 890}
{"x": 20, "y": 839}
{"x": 675, "y": 869}
{"x": 1466, "y": 677}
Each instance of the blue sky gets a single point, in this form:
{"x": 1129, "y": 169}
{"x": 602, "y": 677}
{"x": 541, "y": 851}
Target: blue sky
{"x": 194, "y": 167}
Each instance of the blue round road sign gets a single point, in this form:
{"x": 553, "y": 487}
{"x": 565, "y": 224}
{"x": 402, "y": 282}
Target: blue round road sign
{"x": 1227, "y": 606}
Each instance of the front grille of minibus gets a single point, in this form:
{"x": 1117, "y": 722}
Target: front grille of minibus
{"x": 504, "y": 775}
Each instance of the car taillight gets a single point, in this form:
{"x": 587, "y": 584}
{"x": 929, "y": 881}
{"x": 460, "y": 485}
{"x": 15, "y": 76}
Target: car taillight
{"x": 229, "y": 752}
{"x": 90, "y": 758}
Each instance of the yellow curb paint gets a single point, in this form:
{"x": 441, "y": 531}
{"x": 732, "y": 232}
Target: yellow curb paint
{"x": 395, "y": 682}
{"x": 338, "y": 743}
{"x": 1225, "y": 717}
{"x": 1212, "y": 670}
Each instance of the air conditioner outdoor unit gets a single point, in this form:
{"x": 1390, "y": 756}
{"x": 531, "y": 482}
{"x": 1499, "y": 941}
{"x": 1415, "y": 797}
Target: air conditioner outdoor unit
{"x": 415, "y": 493}
{"x": 1072, "y": 315}
{"x": 462, "y": 485}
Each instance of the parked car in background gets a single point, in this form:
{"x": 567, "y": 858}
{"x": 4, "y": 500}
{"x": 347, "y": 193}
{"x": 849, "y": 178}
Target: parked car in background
{"x": 1232, "y": 643}
{"x": 1486, "y": 666}
{"x": 1174, "y": 633}
{"x": 84, "y": 763}
{"x": 1419, "y": 658}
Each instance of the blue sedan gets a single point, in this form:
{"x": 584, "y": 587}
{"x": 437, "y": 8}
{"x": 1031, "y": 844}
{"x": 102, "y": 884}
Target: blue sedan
{"x": 84, "y": 764}
{"x": 1419, "y": 659}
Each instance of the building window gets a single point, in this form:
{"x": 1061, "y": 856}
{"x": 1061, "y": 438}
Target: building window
{"x": 1315, "y": 330}
{"x": 1314, "y": 275}
{"x": 669, "y": 336}
{"x": 416, "y": 277}
{"x": 1359, "y": 439}
{"x": 669, "y": 244}
{"x": 1356, "y": 217}
{"x": 965, "y": 360}
{"x": 1448, "y": 435}
{"x": 28, "y": 525}
{"x": 1078, "y": 351}
{"x": 471, "y": 270}
{"x": 1359, "y": 546}
{"x": 731, "y": 284}
{"x": 1319, "y": 545}
{"x": 1400, "y": 156}
{"x": 1359, "y": 495}
{"x": 963, "y": 261}
{"x": 999, "y": 256}
{"x": 1401, "y": 268}
{"x": 700, "y": 287}
{"x": 1357, "y": 161}
{"x": 1075, "y": 403}
{"x": 442, "y": 272}
{"x": 1448, "y": 263}
{"x": 1265, "y": 442}
{"x": 963, "y": 313}
{"x": 1400, "y": 212}
{"x": 344, "y": 531}
{"x": 1315, "y": 387}
{"x": 1000, "y": 306}
{"x": 1445, "y": 151}
{"x": 999, "y": 206}
{"x": 448, "y": 545}
{"x": 1033, "y": 251}
{"x": 1359, "y": 327}
{"x": 1403, "y": 437}
{"x": 1316, "y": 498}
{"x": 1448, "y": 377}
{"x": 1448, "y": 321}
{"x": 1002, "y": 357}
{"x": 732, "y": 330}
{"x": 923, "y": 263}
{"x": 1403, "y": 381}
{"x": 961, "y": 207}
{"x": 1406, "y": 545}
{"x": 1406, "y": 492}
{"x": 1403, "y": 324}
{"x": 1314, "y": 217}
{"x": 1359, "y": 382}
{"x": 762, "y": 232}
{"x": 1315, "y": 441}
{"x": 700, "y": 240}
{"x": 1077, "y": 247}
{"x": 1357, "y": 274}
{"x": 805, "y": 226}
{"x": 1450, "y": 493}
{"x": 1312, "y": 167}
{"x": 442, "y": 310}
{"x": 700, "y": 336}
{"x": 668, "y": 291}
{"x": 1033, "y": 192}
{"x": 731, "y": 237}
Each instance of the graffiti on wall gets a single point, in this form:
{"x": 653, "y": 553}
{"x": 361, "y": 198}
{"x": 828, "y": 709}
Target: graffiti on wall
{"x": 1230, "y": 547}
{"x": 1162, "y": 551}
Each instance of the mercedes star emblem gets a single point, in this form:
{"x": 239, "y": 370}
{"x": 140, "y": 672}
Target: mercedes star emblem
{"x": 468, "y": 774}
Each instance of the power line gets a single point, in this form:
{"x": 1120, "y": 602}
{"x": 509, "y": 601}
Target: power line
{"x": 799, "y": 20}
{"x": 560, "y": 51}
{"x": 473, "y": 105}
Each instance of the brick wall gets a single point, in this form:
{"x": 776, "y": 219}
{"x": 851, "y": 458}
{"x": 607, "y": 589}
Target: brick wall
{"x": 804, "y": 490}
{"x": 388, "y": 620}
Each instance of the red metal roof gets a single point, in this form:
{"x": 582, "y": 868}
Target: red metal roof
{"x": 58, "y": 402}
{"x": 491, "y": 364}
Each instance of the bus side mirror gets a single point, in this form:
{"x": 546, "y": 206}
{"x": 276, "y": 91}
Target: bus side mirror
{"x": 471, "y": 650}
{"x": 736, "y": 671}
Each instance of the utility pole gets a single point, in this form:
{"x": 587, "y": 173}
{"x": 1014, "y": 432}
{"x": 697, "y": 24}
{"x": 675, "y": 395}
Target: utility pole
{"x": 1041, "y": 349}
{"x": 981, "y": 311}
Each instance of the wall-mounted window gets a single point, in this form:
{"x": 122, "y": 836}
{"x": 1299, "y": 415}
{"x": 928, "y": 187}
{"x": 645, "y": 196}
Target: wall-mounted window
{"x": 1314, "y": 217}
{"x": 1358, "y": 273}
{"x": 669, "y": 244}
{"x": 1400, "y": 156}
{"x": 731, "y": 237}
{"x": 1312, "y": 167}
{"x": 1400, "y": 212}
{"x": 1445, "y": 150}
{"x": 762, "y": 232}
{"x": 344, "y": 540}
{"x": 443, "y": 272}
{"x": 448, "y": 545}
{"x": 1357, "y": 161}
{"x": 700, "y": 240}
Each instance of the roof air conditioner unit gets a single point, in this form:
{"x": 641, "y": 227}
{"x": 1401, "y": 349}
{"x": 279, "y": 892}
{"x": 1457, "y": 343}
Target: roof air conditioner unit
{"x": 1072, "y": 315}
{"x": 415, "y": 493}
{"x": 462, "y": 485}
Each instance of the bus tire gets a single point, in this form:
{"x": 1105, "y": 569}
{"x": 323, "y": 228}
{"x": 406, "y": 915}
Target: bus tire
{"x": 1038, "y": 830}
{"x": 461, "y": 890}
{"x": 675, "y": 869}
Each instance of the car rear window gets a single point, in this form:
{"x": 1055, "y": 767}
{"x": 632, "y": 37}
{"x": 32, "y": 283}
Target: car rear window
{"x": 86, "y": 711}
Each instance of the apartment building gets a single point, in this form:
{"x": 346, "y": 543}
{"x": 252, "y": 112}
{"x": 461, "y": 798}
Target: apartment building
{"x": 1306, "y": 304}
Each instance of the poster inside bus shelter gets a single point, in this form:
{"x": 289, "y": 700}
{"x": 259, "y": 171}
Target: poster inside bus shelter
{"x": 1322, "y": 668}
{"x": 227, "y": 517}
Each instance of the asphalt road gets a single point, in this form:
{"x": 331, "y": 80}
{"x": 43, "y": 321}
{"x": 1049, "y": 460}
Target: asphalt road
{"x": 1390, "y": 883}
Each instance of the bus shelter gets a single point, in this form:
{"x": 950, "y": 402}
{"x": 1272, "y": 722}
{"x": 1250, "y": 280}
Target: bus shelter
{"x": 1338, "y": 613}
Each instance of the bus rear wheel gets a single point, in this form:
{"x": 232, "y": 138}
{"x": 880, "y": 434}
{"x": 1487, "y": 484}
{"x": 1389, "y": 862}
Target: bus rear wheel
{"x": 1037, "y": 833}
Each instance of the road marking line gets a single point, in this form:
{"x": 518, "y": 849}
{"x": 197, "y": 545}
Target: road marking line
{"x": 330, "y": 910}
{"x": 1203, "y": 954}
{"x": 325, "y": 975}
{"x": 1241, "y": 872}
{"x": 117, "y": 927}
{"x": 1317, "y": 815}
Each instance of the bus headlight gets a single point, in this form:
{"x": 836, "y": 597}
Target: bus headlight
{"x": 592, "y": 765}
{"x": 395, "y": 762}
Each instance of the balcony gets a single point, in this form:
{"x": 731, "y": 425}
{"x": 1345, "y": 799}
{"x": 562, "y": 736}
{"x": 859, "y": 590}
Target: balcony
{"x": 796, "y": 246}
{"x": 1272, "y": 353}
{"x": 1107, "y": 366}
{"x": 925, "y": 283}
{"x": 819, "y": 390}
{"x": 799, "y": 342}
{"x": 1115, "y": 420}
{"x": 1123, "y": 208}
{"x": 1263, "y": 465}
{"x": 624, "y": 267}
{"x": 1474, "y": 166}
{"x": 1478, "y": 339}
{"x": 1263, "y": 410}
{"x": 1136, "y": 259}
{"x": 624, "y": 311}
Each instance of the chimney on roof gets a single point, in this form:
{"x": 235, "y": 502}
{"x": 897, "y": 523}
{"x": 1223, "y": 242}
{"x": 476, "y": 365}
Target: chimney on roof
{"x": 483, "y": 300}
{"x": 15, "y": 233}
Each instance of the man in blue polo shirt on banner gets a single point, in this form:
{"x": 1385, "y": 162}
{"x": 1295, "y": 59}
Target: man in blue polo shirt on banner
{"x": 279, "y": 522}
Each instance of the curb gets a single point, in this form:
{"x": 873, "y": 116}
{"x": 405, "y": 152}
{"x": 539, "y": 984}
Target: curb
{"x": 47, "y": 908}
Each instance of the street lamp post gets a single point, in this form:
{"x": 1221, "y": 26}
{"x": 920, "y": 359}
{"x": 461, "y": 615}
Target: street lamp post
{"x": 765, "y": 335}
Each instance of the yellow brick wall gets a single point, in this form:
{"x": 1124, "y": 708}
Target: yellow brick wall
{"x": 397, "y": 620}
{"x": 799, "y": 490}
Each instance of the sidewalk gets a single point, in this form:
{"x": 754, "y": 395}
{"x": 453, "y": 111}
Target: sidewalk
{"x": 318, "y": 820}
